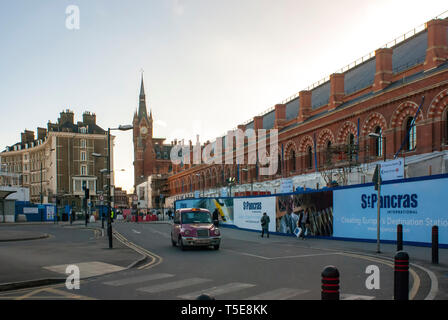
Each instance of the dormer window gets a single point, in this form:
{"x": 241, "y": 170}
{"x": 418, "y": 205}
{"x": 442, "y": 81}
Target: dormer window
{"x": 83, "y": 130}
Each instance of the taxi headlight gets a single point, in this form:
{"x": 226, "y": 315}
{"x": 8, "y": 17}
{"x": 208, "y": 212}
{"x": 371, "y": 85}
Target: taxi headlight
{"x": 187, "y": 232}
{"x": 217, "y": 232}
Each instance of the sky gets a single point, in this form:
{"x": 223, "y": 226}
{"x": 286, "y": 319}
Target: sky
{"x": 208, "y": 65}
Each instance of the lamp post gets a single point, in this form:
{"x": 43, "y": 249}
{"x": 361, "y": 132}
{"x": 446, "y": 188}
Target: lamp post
{"x": 109, "y": 220}
{"x": 378, "y": 186}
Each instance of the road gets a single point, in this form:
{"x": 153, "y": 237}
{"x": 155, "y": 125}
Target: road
{"x": 247, "y": 267}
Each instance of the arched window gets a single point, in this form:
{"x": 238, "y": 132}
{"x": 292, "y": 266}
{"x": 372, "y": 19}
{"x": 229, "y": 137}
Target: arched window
{"x": 292, "y": 161}
{"x": 446, "y": 126}
{"x": 411, "y": 141}
{"x": 378, "y": 142}
{"x": 279, "y": 164}
{"x": 328, "y": 153}
{"x": 309, "y": 160}
{"x": 351, "y": 146}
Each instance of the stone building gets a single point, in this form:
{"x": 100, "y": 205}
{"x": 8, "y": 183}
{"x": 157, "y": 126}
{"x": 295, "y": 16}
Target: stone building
{"x": 58, "y": 163}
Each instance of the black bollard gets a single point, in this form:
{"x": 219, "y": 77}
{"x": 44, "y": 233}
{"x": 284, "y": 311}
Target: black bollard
{"x": 435, "y": 245}
{"x": 330, "y": 283}
{"x": 401, "y": 276}
{"x": 399, "y": 237}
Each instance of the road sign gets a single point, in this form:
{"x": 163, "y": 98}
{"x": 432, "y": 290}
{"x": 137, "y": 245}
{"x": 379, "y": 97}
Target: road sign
{"x": 101, "y": 197}
{"x": 391, "y": 170}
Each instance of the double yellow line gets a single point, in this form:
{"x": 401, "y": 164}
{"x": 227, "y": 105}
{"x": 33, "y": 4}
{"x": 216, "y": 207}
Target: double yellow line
{"x": 155, "y": 259}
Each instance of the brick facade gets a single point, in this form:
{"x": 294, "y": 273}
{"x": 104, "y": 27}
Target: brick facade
{"x": 382, "y": 93}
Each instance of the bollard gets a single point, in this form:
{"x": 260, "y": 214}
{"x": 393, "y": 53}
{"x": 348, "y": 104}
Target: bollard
{"x": 435, "y": 245}
{"x": 330, "y": 283}
{"x": 401, "y": 276}
{"x": 399, "y": 237}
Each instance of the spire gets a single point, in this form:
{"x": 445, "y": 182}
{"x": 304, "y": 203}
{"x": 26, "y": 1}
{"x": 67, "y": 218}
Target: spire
{"x": 142, "y": 113}
{"x": 142, "y": 88}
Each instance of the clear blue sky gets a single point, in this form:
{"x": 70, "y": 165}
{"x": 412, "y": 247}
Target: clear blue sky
{"x": 209, "y": 64}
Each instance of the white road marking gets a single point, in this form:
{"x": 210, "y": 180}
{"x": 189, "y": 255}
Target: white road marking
{"x": 283, "y": 257}
{"x": 173, "y": 285}
{"x": 216, "y": 291}
{"x": 135, "y": 231}
{"x": 278, "y": 294}
{"x": 133, "y": 280}
{"x": 346, "y": 296}
{"x": 87, "y": 269}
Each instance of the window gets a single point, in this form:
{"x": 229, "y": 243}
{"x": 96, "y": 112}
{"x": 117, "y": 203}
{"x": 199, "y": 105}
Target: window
{"x": 309, "y": 158}
{"x": 328, "y": 153}
{"x": 83, "y": 143}
{"x": 292, "y": 159}
{"x": 83, "y": 130}
{"x": 83, "y": 170}
{"x": 83, "y": 156}
{"x": 446, "y": 126}
{"x": 279, "y": 159}
{"x": 411, "y": 141}
{"x": 351, "y": 146}
{"x": 379, "y": 142}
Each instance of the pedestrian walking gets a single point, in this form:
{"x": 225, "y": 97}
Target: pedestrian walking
{"x": 216, "y": 218}
{"x": 303, "y": 222}
{"x": 265, "y": 224}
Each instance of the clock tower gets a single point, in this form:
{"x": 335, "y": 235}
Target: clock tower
{"x": 144, "y": 155}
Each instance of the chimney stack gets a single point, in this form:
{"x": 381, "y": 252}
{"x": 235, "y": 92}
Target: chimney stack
{"x": 437, "y": 51}
{"x": 305, "y": 105}
{"x": 280, "y": 116}
{"x": 337, "y": 91}
{"x": 383, "y": 74}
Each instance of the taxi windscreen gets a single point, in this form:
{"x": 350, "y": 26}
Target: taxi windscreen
{"x": 196, "y": 217}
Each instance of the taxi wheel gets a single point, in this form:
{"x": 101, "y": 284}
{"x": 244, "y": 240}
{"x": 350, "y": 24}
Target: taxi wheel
{"x": 216, "y": 247}
{"x": 181, "y": 245}
{"x": 173, "y": 242}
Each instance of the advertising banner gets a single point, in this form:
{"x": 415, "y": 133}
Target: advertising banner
{"x": 223, "y": 205}
{"x": 290, "y": 208}
{"x": 248, "y": 212}
{"x": 417, "y": 205}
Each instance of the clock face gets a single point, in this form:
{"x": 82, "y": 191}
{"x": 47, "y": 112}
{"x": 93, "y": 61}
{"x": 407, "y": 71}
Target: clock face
{"x": 143, "y": 130}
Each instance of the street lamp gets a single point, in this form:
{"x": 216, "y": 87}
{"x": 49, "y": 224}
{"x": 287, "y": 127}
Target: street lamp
{"x": 378, "y": 179}
{"x": 94, "y": 154}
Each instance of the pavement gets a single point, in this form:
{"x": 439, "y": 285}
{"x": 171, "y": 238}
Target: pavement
{"x": 38, "y": 254}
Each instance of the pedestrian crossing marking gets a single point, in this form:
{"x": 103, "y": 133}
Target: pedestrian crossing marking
{"x": 278, "y": 294}
{"x": 133, "y": 280}
{"x": 216, "y": 291}
{"x": 173, "y": 285}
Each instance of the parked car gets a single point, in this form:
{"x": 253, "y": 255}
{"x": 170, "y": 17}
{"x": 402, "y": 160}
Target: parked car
{"x": 194, "y": 227}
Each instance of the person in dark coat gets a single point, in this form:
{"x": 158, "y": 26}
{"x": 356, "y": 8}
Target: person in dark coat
{"x": 216, "y": 218}
{"x": 265, "y": 224}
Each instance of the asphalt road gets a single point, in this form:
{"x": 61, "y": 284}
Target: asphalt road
{"x": 246, "y": 267}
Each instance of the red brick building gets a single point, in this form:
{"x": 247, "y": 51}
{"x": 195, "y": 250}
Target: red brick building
{"x": 329, "y": 124}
